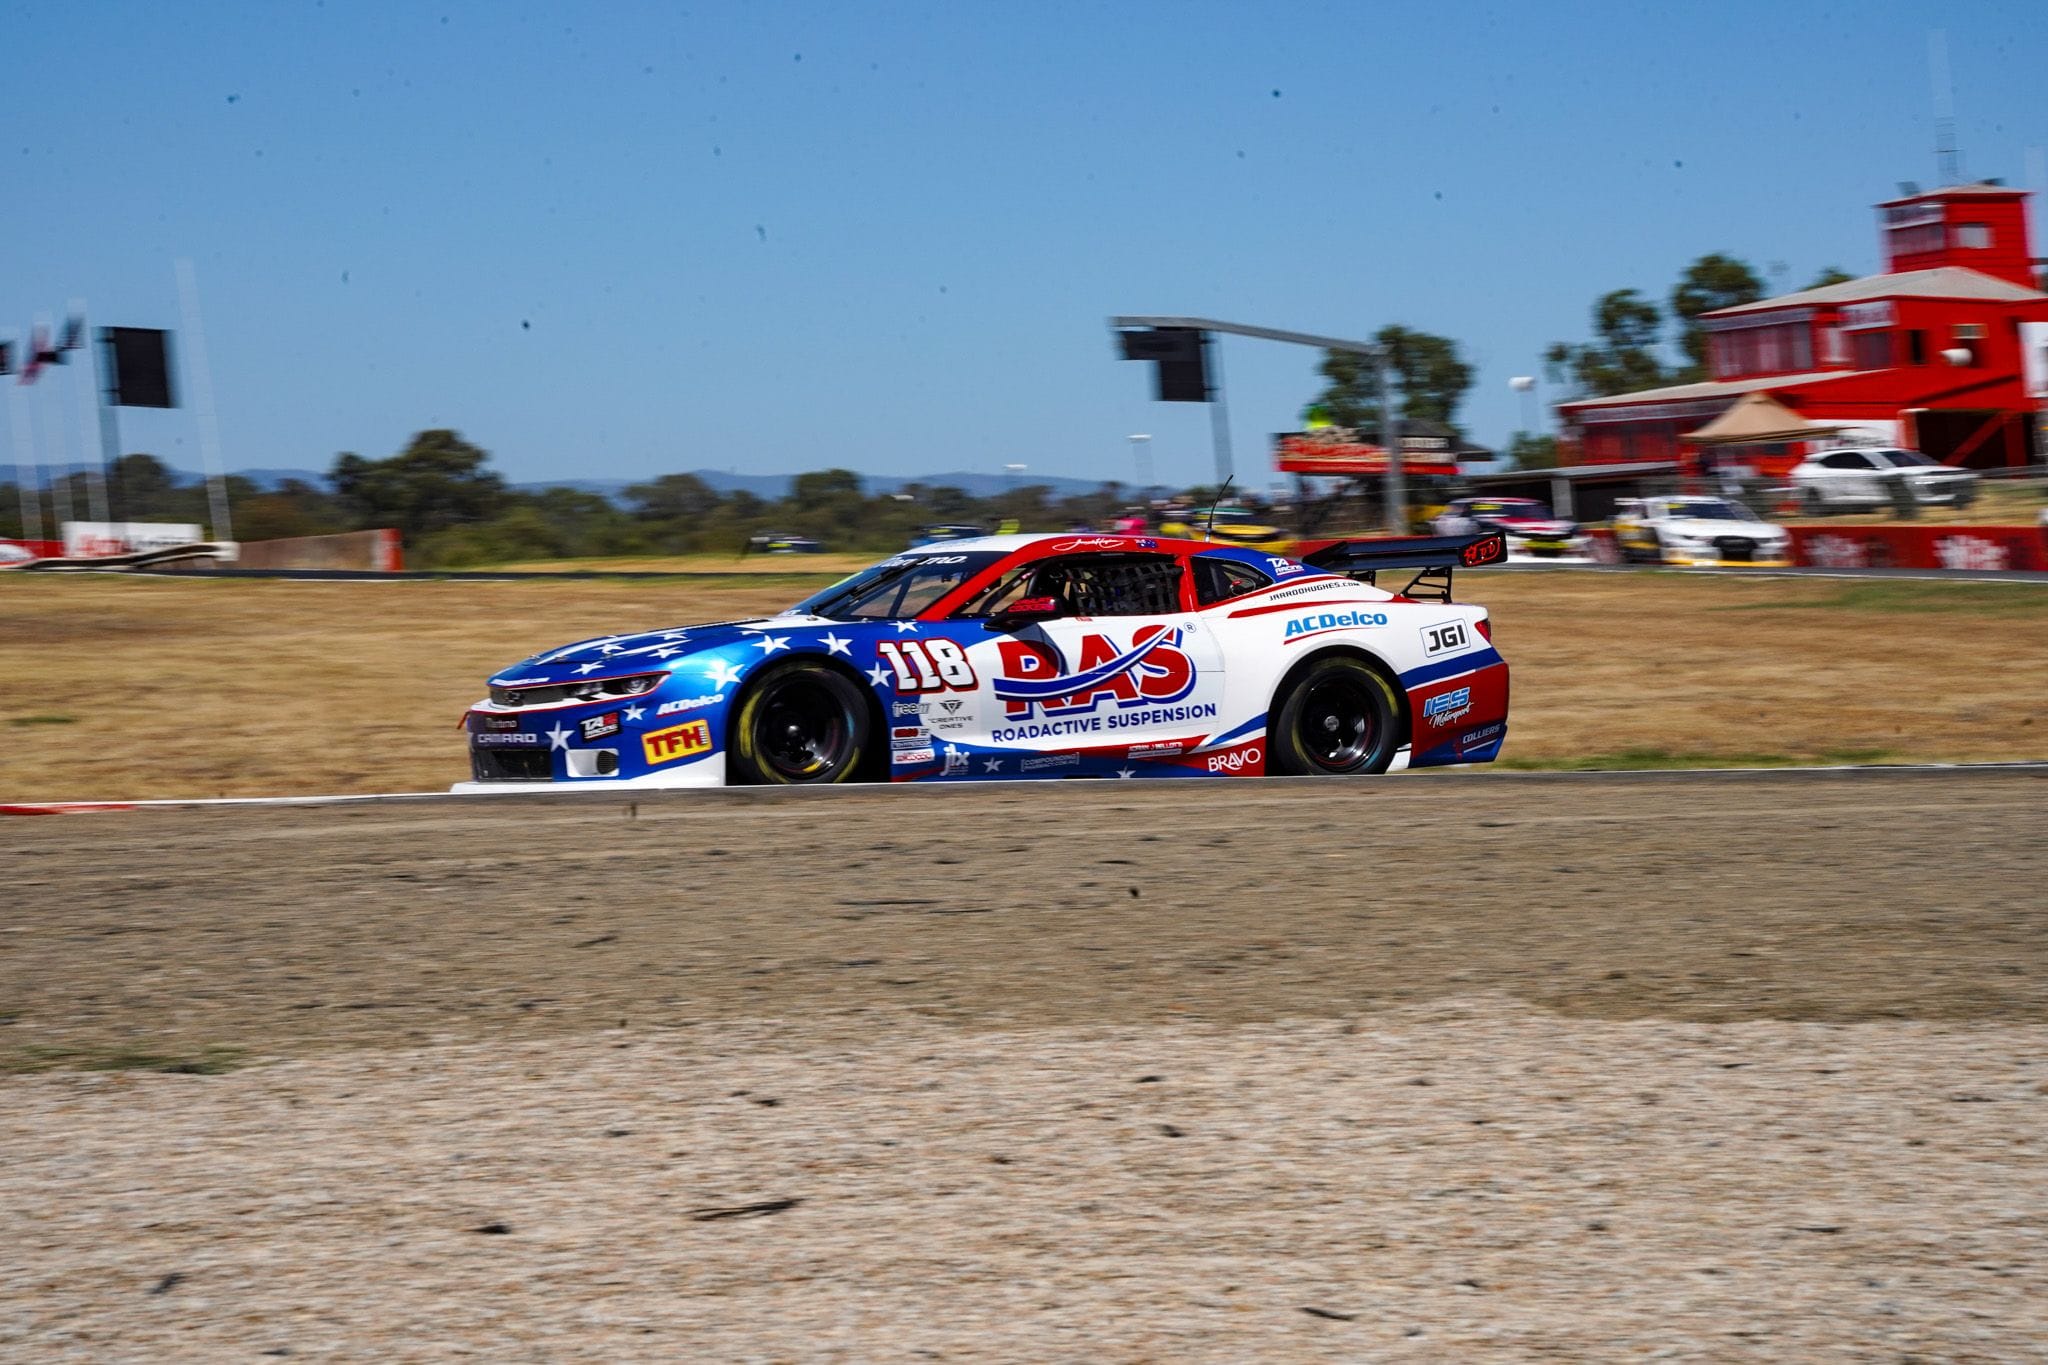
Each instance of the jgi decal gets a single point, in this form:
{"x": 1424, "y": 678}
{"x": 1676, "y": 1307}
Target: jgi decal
{"x": 1448, "y": 707}
{"x": 676, "y": 742}
{"x": 1448, "y": 638}
{"x": 597, "y": 727}
{"x": 1153, "y": 670}
{"x": 1332, "y": 620}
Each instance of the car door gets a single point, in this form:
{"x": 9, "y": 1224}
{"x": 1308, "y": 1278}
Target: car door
{"x": 1126, "y": 664}
{"x": 1851, "y": 477}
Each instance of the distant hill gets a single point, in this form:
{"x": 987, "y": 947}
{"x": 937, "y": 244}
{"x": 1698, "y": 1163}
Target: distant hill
{"x": 768, "y": 486}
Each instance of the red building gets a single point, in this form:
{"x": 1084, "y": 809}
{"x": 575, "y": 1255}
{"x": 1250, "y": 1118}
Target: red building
{"x": 1932, "y": 355}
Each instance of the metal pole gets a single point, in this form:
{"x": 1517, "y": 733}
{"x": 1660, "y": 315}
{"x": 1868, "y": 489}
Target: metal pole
{"x": 1390, "y": 437}
{"x": 1141, "y": 460}
{"x": 110, "y": 421}
{"x": 1219, "y": 415}
{"x": 202, "y": 399}
{"x": 93, "y": 466}
{"x": 60, "y": 447}
{"x": 31, "y": 497}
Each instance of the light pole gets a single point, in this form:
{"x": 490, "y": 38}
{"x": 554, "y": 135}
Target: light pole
{"x": 1014, "y": 471}
{"x": 1525, "y": 385}
{"x": 1141, "y": 460}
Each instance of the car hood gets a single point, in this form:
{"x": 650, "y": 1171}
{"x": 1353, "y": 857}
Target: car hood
{"x": 643, "y": 652}
{"x": 1703, "y": 526}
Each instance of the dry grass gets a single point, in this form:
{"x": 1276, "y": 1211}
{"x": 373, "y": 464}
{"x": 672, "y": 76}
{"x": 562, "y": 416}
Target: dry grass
{"x": 119, "y": 688}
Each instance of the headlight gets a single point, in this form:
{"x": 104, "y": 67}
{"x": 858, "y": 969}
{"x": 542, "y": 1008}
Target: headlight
{"x": 597, "y": 689}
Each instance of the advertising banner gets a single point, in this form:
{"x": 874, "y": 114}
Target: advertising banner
{"x": 1920, "y": 547}
{"x": 1340, "y": 451}
{"x": 96, "y": 539}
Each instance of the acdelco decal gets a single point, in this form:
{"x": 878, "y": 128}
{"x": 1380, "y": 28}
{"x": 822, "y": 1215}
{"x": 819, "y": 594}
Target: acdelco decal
{"x": 1300, "y": 627}
{"x": 677, "y": 741}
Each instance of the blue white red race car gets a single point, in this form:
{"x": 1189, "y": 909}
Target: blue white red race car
{"x": 1029, "y": 656}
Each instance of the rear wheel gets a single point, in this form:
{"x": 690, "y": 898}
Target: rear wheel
{"x": 1342, "y": 717}
{"x": 801, "y": 723}
{"x": 1814, "y": 504}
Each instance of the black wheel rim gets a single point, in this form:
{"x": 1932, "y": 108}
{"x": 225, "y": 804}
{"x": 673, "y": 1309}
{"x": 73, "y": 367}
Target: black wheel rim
{"x": 1340, "y": 725}
{"x": 802, "y": 729}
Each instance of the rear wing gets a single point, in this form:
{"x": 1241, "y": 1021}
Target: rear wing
{"x": 1434, "y": 556}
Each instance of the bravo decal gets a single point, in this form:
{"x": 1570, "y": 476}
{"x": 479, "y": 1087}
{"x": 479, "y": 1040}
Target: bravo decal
{"x": 1153, "y": 670}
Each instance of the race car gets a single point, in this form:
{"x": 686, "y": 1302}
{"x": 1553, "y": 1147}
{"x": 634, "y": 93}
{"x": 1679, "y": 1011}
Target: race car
{"x": 1228, "y": 526}
{"x": 1526, "y": 523}
{"x": 1028, "y": 656}
{"x": 1697, "y": 531}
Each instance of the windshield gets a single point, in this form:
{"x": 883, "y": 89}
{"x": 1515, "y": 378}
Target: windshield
{"x": 1709, "y": 509}
{"x": 896, "y": 589}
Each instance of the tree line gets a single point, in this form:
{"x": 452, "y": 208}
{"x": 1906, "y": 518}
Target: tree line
{"x": 454, "y": 511}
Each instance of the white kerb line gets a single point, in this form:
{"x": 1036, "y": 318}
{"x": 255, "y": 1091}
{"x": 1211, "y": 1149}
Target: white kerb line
{"x": 202, "y": 402}
{"x": 85, "y": 390}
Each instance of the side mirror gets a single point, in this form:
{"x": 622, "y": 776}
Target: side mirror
{"x": 1023, "y": 612}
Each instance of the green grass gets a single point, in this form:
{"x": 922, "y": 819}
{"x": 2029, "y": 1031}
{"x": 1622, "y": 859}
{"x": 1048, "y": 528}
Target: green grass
{"x": 42, "y": 720}
{"x": 1976, "y": 599}
{"x": 212, "y": 1061}
{"x": 1648, "y": 759}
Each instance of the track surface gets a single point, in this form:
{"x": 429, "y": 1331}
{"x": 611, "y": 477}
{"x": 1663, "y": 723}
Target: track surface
{"x": 1588, "y": 1068}
{"x": 1792, "y": 896}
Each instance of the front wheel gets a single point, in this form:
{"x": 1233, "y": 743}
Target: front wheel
{"x": 1342, "y": 717}
{"x": 801, "y": 723}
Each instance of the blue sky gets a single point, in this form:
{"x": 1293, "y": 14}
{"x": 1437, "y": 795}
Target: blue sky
{"x": 618, "y": 241}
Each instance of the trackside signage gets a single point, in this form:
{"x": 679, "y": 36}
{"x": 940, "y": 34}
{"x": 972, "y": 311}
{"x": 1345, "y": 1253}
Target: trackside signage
{"x": 95, "y": 539}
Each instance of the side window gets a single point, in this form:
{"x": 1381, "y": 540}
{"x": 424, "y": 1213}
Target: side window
{"x": 1845, "y": 461}
{"x": 1110, "y": 585}
{"x": 1219, "y": 580}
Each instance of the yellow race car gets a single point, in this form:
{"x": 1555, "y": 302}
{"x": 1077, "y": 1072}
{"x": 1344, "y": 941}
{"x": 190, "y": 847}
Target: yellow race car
{"x": 1233, "y": 526}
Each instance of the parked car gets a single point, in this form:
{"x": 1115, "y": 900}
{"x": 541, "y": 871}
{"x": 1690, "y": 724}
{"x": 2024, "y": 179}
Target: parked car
{"x": 1229, "y": 526}
{"x": 777, "y": 543}
{"x": 1029, "y": 656}
{"x": 1864, "y": 478}
{"x": 1526, "y": 523}
{"x": 1697, "y": 531}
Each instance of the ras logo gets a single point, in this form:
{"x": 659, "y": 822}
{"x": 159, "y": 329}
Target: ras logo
{"x": 677, "y": 741}
{"x": 1154, "y": 669}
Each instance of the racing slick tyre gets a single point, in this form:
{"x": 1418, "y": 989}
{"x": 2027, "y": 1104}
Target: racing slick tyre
{"x": 802, "y": 722}
{"x": 1343, "y": 716}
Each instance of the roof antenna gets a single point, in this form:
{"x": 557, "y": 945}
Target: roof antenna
{"x": 1948, "y": 162}
{"x": 1209, "y": 531}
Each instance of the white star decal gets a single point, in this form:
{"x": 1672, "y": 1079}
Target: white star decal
{"x": 879, "y": 676}
{"x": 675, "y": 635}
{"x": 723, "y": 673}
{"x": 665, "y": 651}
{"x": 610, "y": 649}
{"x": 1125, "y": 772}
{"x": 558, "y": 738}
{"x": 905, "y": 627}
{"x": 834, "y": 645}
{"x": 635, "y": 712}
{"x": 588, "y": 668}
{"x": 768, "y": 644}
{"x": 994, "y": 765}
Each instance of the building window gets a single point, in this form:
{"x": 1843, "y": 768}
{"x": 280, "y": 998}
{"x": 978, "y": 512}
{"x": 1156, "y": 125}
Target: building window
{"x": 1976, "y": 236}
{"x": 1872, "y": 350}
{"x": 1915, "y": 241}
{"x": 1801, "y": 342}
{"x": 1916, "y": 347}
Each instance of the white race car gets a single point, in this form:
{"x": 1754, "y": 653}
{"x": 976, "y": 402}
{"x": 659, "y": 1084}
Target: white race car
{"x": 1074, "y": 655}
{"x": 1696, "y": 531}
